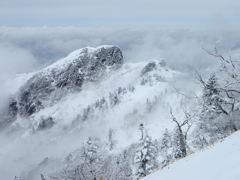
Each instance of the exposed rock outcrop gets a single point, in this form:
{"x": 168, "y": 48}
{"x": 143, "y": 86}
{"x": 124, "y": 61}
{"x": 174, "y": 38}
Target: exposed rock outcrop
{"x": 153, "y": 65}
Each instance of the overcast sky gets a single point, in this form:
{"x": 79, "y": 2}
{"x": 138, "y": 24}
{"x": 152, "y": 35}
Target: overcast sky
{"x": 120, "y": 13}
{"x": 35, "y": 33}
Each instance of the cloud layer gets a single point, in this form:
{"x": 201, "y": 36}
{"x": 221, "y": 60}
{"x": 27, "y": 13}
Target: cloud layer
{"x": 26, "y": 49}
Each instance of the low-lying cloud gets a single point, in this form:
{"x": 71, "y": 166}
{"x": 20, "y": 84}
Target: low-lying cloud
{"x": 41, "y": 46}
{"x": 29, "y": 49}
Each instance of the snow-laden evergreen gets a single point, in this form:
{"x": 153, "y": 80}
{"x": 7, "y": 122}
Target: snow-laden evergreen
{"x": 146, "y": 154}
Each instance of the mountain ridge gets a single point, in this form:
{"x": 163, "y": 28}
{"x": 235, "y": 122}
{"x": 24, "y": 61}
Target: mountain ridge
{"x": 87, "y": 64}
{"x": 127, "y": 96}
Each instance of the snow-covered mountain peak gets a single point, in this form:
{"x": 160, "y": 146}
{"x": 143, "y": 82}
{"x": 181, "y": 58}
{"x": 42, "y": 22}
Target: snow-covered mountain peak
{"x": 93, "y": 53}
{"x": 48, "y": 86}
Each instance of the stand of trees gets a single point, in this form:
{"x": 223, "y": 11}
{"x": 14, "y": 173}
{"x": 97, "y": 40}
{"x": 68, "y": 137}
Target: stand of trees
{"x": 220, "y": 101}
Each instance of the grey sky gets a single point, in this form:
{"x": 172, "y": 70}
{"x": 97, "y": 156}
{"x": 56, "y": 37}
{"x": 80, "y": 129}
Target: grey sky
{"x": 120, "y": 13}
{"x": 127, "y": 23}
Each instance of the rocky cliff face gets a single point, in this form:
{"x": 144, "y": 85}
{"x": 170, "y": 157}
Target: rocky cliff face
{"x": 69, "y": 74}
{"x": 153, "y": 65}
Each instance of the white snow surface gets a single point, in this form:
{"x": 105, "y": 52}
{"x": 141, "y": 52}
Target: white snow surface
{"x": 220, "y": 161}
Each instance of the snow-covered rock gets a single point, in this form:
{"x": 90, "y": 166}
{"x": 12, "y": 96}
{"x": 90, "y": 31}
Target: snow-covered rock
{"x": 153, "y": 65}
{"x": 52, "y": 83}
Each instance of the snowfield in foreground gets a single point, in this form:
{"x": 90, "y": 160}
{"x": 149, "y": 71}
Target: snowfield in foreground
{"x": 217, "y": 162}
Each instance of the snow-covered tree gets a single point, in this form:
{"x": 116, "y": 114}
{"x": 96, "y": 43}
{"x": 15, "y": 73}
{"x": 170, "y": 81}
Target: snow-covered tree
{"x": 89, "y": 151}
{"x": 221, "y": 96}
{"x": 97, "y": 103}
{"x": 225, "y": 94}
{"x": 113, "y": 99}
{"x": 121, "y": 170}
{"x": 87, "y": 112}
{"x": 179, "y": 145}
{"x": 131, "y": 88}
{"x": 120, "y": 90}
{"x": 150, "y": 80}
{"x": 146, "y": 154}
{"x": 143, "y": 82}
{"x": 148, "y": 105}
{"x": 166, "y": 147}
{"x": 124, "y": 90}
{"x": 212, "y": 100}
{"x": 112, "y": 142}
{"x": 103, "y": 104}
{"x": 180, "y": 134}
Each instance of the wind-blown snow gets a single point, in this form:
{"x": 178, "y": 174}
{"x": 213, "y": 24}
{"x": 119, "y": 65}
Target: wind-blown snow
{"x": 220, "y": 161}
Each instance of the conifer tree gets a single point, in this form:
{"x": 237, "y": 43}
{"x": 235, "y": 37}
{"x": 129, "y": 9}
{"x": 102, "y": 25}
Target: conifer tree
{"x": 179, "y": 149}
{"x": 90, "y": 151}
{"x": 166, "y": 147}
{"x": 90, "y": 157}
{"x": 112, "y": 142}
{"x": 211, "y": 97}
{"x": 146, "y": 154}
{"x": 148, "y": 105}
{"x": 213, "y": 121}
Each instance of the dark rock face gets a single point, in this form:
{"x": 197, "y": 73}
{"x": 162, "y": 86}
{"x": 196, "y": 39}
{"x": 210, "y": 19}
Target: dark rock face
{"x": 153, "y": 65}
{"x": 46, "y": 123}
{"x": 162, "y": 63}
{"x": 9, "y": 113}
{"x": 50, "y": 84}
{"x": 149, "y": 67}
{"x": 13, "y": 109}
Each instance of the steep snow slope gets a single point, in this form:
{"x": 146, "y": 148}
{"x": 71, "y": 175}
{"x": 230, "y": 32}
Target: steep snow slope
{"x": 219, "y": 161}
